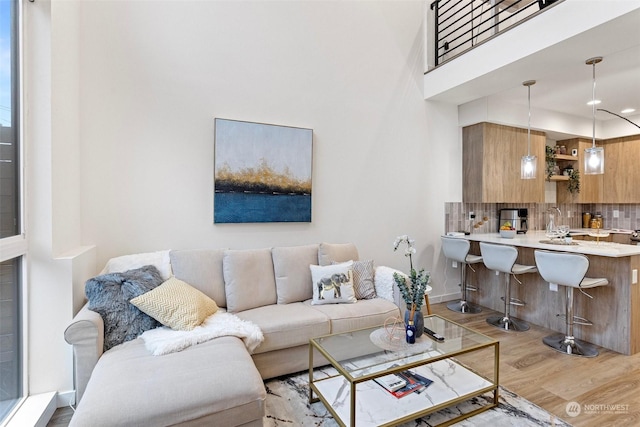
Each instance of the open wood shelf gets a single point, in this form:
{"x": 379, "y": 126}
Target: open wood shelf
{"x": 558, "y": 178}
{"x": 566, "y": 157}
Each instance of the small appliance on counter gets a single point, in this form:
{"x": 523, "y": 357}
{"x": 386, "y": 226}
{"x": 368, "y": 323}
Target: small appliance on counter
{"x": 516, "y": 216}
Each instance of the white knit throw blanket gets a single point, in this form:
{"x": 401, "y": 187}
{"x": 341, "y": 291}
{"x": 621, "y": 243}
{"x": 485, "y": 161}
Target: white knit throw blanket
{"x": 165, "y": 340}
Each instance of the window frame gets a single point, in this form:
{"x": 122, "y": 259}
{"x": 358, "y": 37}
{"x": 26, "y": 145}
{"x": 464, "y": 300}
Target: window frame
{"x": 16, "y": 246}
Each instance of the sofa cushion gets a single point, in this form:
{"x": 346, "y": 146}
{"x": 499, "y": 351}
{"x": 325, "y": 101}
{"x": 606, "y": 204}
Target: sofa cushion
{"x": 339, "y": 252}
{"x": 216, "y": 379}
{"x": 287, "y": 325}
{"x": 291, "y": 268}
{"x": 159, "y": 260}
{"x": 109, "y": 295}
{"x": 333, "y": 284}
{"x": 248, "y": 279}
{"x": 202, "y": 269}
{"x": 363, "y": 314}
{"x": 176, "y": 304}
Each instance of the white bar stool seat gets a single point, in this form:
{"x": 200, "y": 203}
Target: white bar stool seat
{"x": 457, "y": 249}
{"x": 568, "y": 270}
{"x": 502, "y": 258}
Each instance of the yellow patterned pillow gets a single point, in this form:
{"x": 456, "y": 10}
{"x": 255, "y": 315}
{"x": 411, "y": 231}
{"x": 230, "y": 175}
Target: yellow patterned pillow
{"x": 176, "y": 304}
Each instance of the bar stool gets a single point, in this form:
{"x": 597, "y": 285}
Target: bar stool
{"x": 502, "y": 258}
{"x": 457, "y": 249}
{"x": 568, "y": 270}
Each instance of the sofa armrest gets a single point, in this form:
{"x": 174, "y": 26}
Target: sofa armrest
{"x": 86, "y": 334}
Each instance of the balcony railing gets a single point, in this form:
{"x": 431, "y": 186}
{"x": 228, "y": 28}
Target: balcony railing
{"x": 462, "y": 24}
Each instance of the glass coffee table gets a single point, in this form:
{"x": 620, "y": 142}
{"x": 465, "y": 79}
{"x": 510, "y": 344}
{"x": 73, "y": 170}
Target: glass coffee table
{"x": 447, "y": 373}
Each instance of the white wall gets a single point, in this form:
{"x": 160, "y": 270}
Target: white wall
{"x": 153, "y": 79}
{"x": 124, "y": 160}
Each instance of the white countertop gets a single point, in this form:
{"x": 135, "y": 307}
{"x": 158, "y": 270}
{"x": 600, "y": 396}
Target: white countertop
{"x": 532, "y": 240}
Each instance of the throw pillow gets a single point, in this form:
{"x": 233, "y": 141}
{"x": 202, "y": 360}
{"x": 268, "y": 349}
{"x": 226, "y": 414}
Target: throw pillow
{"x": 385, "y": 283}
{"x": 109, "y": 295}
{"x": 363, "y": 275}
{"x": 176, "y": 304}
{"x": 333, "y": 284}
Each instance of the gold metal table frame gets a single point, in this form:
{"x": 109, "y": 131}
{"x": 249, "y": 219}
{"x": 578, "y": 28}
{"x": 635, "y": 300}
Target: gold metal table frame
{"x": 342, "y": 348}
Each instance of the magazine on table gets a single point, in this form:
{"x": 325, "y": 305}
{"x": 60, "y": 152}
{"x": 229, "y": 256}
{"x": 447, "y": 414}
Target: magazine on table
{"x": 403, "y": 383}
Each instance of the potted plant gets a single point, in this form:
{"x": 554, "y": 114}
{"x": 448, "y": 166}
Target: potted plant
{"x": 574, "y": 181}
{"x": 412, "y": 291}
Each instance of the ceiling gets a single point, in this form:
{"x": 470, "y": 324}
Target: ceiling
{"x": 564, "y": 82}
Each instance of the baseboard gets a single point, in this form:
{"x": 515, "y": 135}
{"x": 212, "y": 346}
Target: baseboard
{"x": 444, "y": 298}
{"x": 66, "y": 398}
{"x": 35, "y": 411}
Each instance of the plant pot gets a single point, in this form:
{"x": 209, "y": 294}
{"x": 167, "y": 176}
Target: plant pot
{"x": 418, "y": 321}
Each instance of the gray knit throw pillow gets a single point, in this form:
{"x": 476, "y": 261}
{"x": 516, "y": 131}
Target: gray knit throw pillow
{"x": 109, "y": 295}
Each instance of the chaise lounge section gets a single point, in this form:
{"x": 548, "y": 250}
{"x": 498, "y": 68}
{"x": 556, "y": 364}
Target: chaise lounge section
{"x": 220, "y": 381}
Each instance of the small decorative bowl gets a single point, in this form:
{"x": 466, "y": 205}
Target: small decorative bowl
{"x": 508, "y": 234}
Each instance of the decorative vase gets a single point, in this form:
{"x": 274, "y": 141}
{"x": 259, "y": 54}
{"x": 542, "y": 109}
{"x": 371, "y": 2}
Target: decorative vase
{"x": 418, "y": 321}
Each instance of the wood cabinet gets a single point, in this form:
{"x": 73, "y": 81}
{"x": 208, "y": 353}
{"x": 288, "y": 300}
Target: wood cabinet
{"x": 622, "y": 170}
{"x": 491, "y": 156}
{"x": 591, "y": 186}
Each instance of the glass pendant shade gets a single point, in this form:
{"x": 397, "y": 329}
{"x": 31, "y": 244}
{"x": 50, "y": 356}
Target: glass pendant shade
{"x": 594, "y": 161}
{"x": 528, "y": 162}
{"x": 528, "y": 167}
{"x": 594, "y": 156}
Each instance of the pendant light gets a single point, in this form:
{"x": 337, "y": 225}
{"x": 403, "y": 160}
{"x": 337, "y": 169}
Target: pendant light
{"x": 594, "y": 156}
{"x": 528, "y": 163}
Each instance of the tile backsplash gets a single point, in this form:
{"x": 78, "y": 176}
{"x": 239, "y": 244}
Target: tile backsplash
{"x": 486, "y": 220}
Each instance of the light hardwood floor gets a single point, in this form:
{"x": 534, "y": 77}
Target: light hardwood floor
{"x": 551, "y": 379}
{"x": 547, "y": 378}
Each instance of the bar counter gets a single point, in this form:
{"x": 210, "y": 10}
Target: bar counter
{"x": 614, "y": 309}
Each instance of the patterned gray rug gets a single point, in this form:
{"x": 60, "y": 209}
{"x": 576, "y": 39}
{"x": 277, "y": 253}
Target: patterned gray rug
{"x": 288, "y": 405}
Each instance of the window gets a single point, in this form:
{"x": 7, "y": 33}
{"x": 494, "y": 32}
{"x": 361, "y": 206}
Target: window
{"x": 12, "y": 241}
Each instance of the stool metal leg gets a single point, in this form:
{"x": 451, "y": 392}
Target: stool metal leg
{"x": 505, "y": 321}
{"x": 566, "y": 343}
{"x": 463, "y": 306}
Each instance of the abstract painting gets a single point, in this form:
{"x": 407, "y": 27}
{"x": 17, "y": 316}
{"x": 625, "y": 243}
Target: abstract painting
{"x": 262, "y": 173}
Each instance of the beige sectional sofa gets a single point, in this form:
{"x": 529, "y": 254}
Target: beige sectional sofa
{"x": 219, "y": 382}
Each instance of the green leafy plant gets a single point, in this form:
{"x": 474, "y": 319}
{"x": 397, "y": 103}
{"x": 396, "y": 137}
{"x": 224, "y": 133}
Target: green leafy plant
{"x": 412, "y": 291}
{"x": 550, "y": 159}
{"x": 574, "y": 181}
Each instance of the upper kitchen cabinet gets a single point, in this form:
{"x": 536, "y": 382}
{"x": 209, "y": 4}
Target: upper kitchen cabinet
{"x": 591, "y": 186}
{"x": 491, "y": 156}
{"x": 621, "y": 172}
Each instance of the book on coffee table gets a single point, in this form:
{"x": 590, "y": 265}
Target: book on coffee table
{"x": 406, "y": 383}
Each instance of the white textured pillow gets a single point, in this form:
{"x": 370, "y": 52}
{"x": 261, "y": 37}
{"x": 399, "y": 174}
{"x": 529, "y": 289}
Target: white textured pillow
{"x": 159, "y": 259}
{"x": 333, "y": 284}
{"x": 384, "y": 282}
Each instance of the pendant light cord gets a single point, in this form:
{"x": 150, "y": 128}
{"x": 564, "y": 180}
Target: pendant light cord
{"x": 529, "y": 122}
{"x": 593, "y": 104}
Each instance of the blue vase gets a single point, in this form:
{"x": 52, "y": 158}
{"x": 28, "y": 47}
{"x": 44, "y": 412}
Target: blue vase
{"x": 418, "y": 321}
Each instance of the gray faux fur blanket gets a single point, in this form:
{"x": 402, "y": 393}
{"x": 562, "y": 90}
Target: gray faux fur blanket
{"x": 109, "y": 295}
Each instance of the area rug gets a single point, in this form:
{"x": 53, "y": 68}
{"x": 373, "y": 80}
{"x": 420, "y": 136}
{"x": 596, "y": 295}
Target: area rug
{"x": 288, "y": 404}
